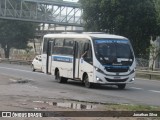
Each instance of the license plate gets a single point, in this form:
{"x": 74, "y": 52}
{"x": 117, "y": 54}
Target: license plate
{"x": 117, "y": 77}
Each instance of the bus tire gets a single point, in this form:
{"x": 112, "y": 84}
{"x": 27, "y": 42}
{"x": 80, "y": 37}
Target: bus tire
{"x": 59, "y": 78}
{"x": 64, "y": 80}
{"x": 121, "y": 86}
{"x": 33, "y": 69}
{"x": 87, "y": 83}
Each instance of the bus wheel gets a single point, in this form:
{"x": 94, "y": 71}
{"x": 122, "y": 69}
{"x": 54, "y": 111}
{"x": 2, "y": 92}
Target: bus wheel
{"x": 33, "y": 69}
{"x": 64, "y": 80}
{"x": 121, "y": 86}
{"x": 59, "y": 78}
{"x": 87, "y": 83}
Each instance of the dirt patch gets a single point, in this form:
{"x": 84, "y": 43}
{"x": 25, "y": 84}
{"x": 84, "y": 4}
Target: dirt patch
{"x": 20, "y": 81}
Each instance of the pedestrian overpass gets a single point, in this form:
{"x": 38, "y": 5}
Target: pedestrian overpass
{"x": 55, "y": 12}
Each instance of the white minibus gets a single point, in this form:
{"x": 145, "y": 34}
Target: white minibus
{"x": 93, "y": 58}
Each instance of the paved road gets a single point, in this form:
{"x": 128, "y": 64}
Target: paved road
{"x": 142, "y": 92}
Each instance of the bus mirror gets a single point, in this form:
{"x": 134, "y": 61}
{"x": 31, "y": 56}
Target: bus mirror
{"x": 86, "y": 46}
{"x": 83, "y": 55}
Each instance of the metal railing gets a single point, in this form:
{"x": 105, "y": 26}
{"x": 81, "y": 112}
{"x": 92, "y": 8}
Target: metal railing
{"x": 20, "y": 62}
{"x": 149, "y": 73}
{"x": 46, "y": 11}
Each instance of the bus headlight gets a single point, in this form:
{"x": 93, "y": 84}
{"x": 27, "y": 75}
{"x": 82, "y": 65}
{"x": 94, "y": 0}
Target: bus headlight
{"x": 99, "y": 70}
{"x": 133, "y": 71}
{"x": 98, "y": 79}
{"x": 132, "y": 79}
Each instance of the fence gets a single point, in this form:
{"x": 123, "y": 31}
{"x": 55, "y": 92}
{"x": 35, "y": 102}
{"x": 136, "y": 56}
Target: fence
{"x": 20, "y": 62}
{"x": 148, "y": 74}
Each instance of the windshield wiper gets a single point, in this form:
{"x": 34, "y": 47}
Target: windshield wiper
{"x": 113, "y": 59}
{"x": 101, "y": 56}
{"x": 110, "y": 60}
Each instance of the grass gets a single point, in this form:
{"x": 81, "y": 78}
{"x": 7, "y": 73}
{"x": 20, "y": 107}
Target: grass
{"x": 130, "y": 107}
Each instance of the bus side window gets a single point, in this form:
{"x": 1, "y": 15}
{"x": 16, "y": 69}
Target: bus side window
{"x": 68, "y": 47}
{"x": 58, "y": 46}
{"x": 45, "y": 45}
{"x": 87, "y": 53}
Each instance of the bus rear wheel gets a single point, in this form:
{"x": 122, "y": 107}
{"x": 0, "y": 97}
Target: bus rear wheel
{"x": 32, "y": 67}
{"x": 87, "y": 83}
{"x": 121, "y": 86}
{"x": 59, "y": 78}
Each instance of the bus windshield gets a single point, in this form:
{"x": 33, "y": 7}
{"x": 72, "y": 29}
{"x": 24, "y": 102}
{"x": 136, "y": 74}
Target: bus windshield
{"x": 113, "y": 51}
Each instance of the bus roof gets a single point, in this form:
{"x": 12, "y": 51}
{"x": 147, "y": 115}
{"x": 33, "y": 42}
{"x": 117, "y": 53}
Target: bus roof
{"x": 84, "y": 35}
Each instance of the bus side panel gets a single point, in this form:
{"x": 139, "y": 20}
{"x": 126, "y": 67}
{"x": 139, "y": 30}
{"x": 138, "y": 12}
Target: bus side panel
{"x": 86, "y": 68}
{"x": 64, "y": 65}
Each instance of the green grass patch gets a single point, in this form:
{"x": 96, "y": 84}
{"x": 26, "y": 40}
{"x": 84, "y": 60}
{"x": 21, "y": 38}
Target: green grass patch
{"x": 128, "y": 107}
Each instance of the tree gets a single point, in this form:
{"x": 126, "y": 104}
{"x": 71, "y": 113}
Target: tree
{"x": 154, "y": 51}
{"x": 135, "y": 19}
{"x": 157, "y": 7}
{"x": 15, "y": 34}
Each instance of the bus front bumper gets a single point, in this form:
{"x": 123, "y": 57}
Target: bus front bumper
{"x": 114, "y": 80}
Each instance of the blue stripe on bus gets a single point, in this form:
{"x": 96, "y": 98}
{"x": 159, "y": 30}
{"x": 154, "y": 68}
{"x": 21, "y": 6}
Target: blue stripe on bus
{"x": 62, "y": 59}
{"x": 111, "y": 66}
{"x": 111, "y": 41}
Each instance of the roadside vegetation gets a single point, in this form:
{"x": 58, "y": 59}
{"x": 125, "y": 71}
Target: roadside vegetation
{"x": 15, "y": 34}
{"x": 130, "y": 107}
{"x": 138, "y": 20}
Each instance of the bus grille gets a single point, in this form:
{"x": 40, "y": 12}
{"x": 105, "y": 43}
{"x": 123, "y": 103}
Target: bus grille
{"x": 112, "y": 69}
{"x": 116, "y": 80}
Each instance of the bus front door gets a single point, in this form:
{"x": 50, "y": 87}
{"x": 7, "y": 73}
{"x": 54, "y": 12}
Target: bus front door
{"x": 49, "y": 57}
{"x": 86, "y": 61}
{"x": 75, "y": 61}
